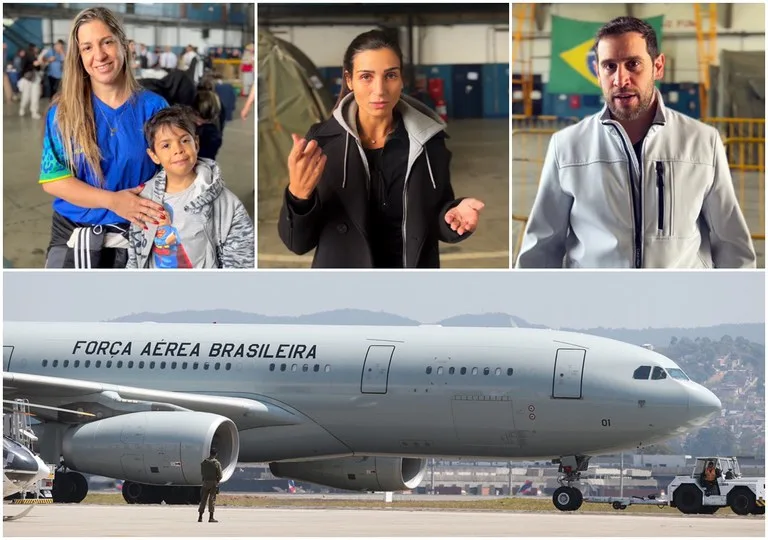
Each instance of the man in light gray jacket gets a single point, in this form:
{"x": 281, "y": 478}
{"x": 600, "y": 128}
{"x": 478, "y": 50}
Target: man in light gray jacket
{"x": 636, "y": 185}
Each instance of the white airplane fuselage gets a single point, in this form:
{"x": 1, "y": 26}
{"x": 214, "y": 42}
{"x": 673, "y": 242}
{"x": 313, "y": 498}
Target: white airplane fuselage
{"x": 389, "y": 391}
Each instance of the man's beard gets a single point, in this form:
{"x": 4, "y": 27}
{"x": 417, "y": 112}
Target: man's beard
{"x": 629, "y": 114}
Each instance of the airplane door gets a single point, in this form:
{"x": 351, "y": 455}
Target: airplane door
{"x": 569, "y": 368}
{"x": 376, "y": 369}
{"x": 7, "y": 352}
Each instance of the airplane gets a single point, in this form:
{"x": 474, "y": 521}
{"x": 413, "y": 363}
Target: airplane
{"x": 350, "y": 407}
{"x": 528, "y": 489}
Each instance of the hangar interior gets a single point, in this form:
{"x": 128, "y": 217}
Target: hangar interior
{"x": 456, "y": 61}
{"x": 219, "y": 34}
{"x": 715, "y": 58}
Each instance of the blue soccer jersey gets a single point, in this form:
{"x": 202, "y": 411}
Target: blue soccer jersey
{"x": 124, "y": 160}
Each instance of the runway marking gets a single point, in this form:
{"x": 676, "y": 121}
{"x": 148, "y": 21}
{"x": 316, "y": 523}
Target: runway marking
{"x": 469, "y": 256}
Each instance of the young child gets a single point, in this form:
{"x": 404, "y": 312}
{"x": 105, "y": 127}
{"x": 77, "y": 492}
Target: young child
{"x": 205, "y": 225}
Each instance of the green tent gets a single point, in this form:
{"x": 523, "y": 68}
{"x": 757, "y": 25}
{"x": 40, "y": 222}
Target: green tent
{"x": 291, "y": 97}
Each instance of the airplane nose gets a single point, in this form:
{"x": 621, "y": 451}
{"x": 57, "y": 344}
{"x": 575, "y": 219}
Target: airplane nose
{"x": 702, "y": 405}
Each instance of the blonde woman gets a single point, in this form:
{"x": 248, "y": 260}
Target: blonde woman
{"x": 95, "y": 158}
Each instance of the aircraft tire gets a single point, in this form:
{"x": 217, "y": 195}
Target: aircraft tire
{"x": 759, "y": 510}
{"x": 565, "y": 499}
{"x": 688, "y": 499}
{"x": 63, "y": 488}
{"x": 578, "y": 499}
{"x": 194, "y": 495}
{"x": 80, "y": 487}
{"x": 131, "y": 492}
{"x": 742, "y": 501}
{"x": 708, "y": 509}
{"x": 176, "y": 494}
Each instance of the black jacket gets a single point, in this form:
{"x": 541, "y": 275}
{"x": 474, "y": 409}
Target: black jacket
{"x": 335, "y": 226}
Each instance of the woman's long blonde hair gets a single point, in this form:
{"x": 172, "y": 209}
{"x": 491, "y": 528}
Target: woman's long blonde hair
{"x": 75, "y": 115}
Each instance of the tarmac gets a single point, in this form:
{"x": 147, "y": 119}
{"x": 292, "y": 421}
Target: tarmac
{"x": 172, "y": 521}
{"x": 27, "y": 208}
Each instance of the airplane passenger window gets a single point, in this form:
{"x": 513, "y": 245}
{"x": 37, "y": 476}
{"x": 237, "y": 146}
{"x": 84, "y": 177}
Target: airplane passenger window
{"x": 45, "y": 363}
{"x": 271, "y": 367}
{"x": 509, "y": 372}
{"x": 152, "y": 365}
{"x": 130, "y": 364}
{"x": 429, "y": 370}
{"x": 658, "y": 373}
{"x": 87, "y": 363}
{"x": 317, "y": 368}
{"x": 498, "y": 371}
{"x": 677, "y": 374}
{"x": 474, "y": 371}
{"x": 305, "y": 368}
{"x": 463, "y": 371}
{"x": 162, "y": 365}
{"x": 77, "y": 363}
{"x": 173, "y": 365}
{"x": 195, "y": 365}
{"x": 109, "y": 364}
{"x": 451, "y": 370}
{"x": 228, "y": 366}
{"x": 486, "y": 371}
{"x": 66, "y": 363}
{"x": 141, "y": 364}
{"x": 642, "y": 373}
{"x": 98, "y": 363}
{"x": 119, "y": 364}
{"x": 206, "y": 365}
{"x": 282, "y": 367}
{"x": 217, "y": 366}
{"x": 184, "y": 365}
{"x": 55, "y": 363}
{"x": 440, "y": 370}
{"x": 327, "y": 368}
{"x": 294, "y": 367}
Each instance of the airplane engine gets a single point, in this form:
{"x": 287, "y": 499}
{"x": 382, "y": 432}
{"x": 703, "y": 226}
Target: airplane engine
{"x": 158, "y": 447}
{"x": 356, "y": 473}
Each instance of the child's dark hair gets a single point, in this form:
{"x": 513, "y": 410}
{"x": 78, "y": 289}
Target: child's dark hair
{"x": 207, "y": 105}
{"x": 177, "y": 116}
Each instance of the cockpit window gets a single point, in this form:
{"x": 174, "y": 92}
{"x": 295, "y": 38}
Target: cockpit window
{"x": 642, "y": 372}
{"x": 677, "y": 374}
{"x": 658, "y": 373}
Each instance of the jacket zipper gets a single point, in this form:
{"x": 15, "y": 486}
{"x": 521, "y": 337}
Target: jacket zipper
{"x": 660, "y": 186}
{"x": 637, "y": 219}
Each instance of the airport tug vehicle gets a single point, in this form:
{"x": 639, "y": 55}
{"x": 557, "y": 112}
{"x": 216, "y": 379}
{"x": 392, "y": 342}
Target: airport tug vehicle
{"x": 687, "y": 493}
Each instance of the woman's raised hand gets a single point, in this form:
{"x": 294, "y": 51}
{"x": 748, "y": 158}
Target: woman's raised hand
{"x": 306, "y": 163}
{"x": 129, "y": 205}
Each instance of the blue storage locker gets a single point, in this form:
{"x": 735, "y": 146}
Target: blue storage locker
{"x": 496, "y": 91}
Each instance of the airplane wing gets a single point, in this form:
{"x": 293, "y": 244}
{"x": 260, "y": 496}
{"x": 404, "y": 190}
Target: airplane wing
{"x": 104, "y": 400}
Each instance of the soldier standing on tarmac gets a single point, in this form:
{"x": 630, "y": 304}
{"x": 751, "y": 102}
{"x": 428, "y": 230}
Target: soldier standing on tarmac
{"x": 211, "y": 472}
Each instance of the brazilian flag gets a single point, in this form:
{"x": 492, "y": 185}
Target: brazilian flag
{"x": 572, "y": 69}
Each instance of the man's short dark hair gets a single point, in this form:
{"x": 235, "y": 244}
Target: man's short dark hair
{"x": 177, "y": 116}
{"x": 623, "y": 25}
{"x": 214, "y": 451}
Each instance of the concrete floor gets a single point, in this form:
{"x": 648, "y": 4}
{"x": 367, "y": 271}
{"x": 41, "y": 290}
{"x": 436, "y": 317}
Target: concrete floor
{"x": 529, "y": 149}
{"x": 479, "y": 169}
{"x": 27, "y": 208}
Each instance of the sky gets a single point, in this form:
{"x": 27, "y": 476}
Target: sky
{"x": 575, "y": 299}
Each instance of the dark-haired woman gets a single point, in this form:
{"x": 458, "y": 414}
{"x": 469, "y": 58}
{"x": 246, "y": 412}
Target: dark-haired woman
{"x": 370, "y": 187}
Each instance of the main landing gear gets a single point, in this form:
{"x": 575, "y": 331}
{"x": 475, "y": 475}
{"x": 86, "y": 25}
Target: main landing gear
{"x": 135, "y": 493}
{"x": 68, "y": 486}
{"x": 568, "y": 498}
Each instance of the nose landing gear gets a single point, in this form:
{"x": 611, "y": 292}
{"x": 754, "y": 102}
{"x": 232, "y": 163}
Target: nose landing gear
{"x": 568, "y": 498}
